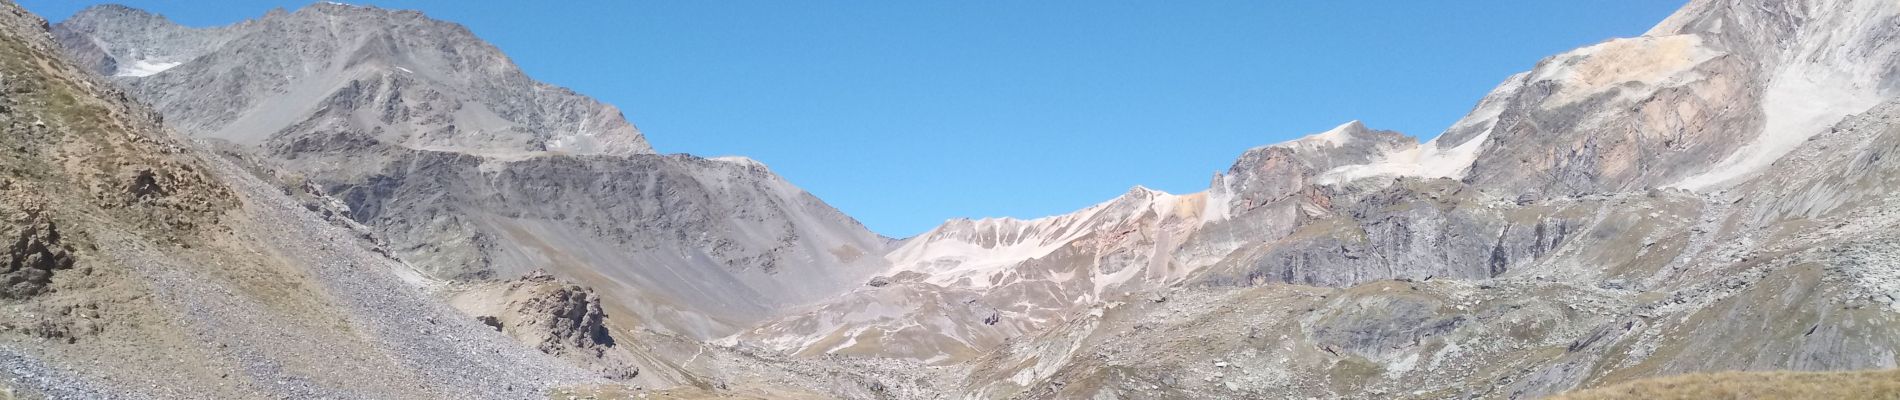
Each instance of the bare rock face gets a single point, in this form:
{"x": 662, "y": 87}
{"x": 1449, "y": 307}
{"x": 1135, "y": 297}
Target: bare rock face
{"x": 1267, "y": 174}
{"x": 1642, "y": 112}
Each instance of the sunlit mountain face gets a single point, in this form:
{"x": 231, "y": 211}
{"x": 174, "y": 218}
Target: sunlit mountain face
{"x": 345, "y": 201}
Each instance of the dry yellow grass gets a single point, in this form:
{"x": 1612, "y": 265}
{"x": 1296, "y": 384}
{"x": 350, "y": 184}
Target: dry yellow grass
{"x": 1753, "y": 385}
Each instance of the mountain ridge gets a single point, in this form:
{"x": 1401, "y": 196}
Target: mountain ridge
{"x": 1603, "y": 217}
{"x": 435, "y": 140}
{"x": 557, "y": 118}
{"x": 1319, "y": 210}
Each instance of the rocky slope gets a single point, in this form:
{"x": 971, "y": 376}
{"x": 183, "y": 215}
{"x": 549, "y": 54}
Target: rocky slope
{"x": 471, "y": 170}
{"x": 1551, "y": 226}
{"x": 391, "y": 76}
{"x": 1659, "y": 283}
{"x": 146, "y": 266}
{"x": 959, "y": 290}
{"x": 1704, "y": 100}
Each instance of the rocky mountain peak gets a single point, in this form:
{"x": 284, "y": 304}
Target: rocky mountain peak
{"x": 474, "y": 170}
{"x": 116, "y": 12}
{"x": 431, "y": 84}
{"x": 1341, "y": 135}
{"x": 153, "y": 42}
{"x": 1632, "y": 113}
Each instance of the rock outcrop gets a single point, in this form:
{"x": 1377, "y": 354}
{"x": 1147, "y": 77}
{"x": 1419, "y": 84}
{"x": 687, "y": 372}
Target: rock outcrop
{"x": 33, "y": 257}
{"x": 557, "y": 318}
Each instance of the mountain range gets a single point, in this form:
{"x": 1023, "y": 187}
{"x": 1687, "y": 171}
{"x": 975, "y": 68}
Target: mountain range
{"x": 269, "y": 208}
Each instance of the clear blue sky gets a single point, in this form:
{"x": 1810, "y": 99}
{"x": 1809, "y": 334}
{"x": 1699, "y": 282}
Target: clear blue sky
{"x": 907, "y": 113}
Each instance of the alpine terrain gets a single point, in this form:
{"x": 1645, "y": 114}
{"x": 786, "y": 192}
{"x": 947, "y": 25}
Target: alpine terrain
{"x": 346, "y": 201}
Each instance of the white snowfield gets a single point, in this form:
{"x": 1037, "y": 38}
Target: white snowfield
{"x": 1338, "y": 136}
{"x": 740, "y": 160}
{"x": 144, "y": 68}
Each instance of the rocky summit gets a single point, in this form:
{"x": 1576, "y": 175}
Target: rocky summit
{"x": 354, "y": 202}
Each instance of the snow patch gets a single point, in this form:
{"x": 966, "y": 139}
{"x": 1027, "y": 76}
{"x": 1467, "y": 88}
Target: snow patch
{"x": 1336, "y": 137}
{"x": 1424, "y": 161}
{"x": 740, "y": 160}
{"x": 144, "y": 68}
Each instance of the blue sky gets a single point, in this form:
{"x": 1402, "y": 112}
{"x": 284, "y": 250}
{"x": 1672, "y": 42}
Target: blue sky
{"x": 907, "y": 113}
